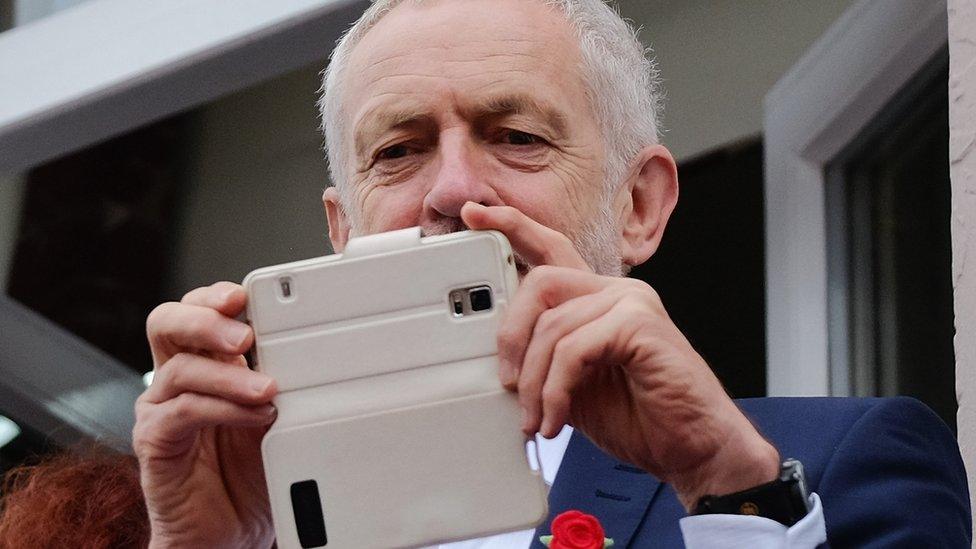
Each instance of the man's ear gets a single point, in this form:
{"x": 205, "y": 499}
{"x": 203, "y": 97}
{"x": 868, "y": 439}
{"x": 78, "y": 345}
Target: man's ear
{"x": 338, "y": 221}
{"x": 644, "y": 203}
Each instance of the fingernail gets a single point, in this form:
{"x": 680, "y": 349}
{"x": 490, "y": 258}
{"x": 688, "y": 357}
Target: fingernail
{"x": 226, "y": 295}
{"x": 269, "y": 411}
{"x": 507, "y": 372}
{"x": 236, "y": 334}
{"x": 260, "y": 385}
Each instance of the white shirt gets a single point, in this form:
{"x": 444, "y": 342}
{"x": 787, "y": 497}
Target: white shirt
{"x": 698, "y": 531}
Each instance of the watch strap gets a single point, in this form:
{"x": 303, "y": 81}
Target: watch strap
{"x": 784, "y": 500}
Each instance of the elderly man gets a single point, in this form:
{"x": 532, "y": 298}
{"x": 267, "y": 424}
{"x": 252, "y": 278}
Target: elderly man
{"x": 539, "y": 119}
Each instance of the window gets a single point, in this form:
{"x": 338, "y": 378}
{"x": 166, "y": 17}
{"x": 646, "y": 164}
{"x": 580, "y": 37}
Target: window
{"x": 888, "y": 204}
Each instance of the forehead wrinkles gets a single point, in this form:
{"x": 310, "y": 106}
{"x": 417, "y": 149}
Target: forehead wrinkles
{"x": 437, "y": 39}
{"x": 415, "y": 86}
{"x": 473, "y": 61}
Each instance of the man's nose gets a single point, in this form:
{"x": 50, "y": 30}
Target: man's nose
{"x": 461, "y": 177}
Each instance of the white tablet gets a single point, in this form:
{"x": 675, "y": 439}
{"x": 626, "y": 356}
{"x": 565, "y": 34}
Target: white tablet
{"x": 393, "y": 429}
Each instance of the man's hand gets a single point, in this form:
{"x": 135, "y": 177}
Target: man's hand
{"x": 601, "y": 354}
{"x": 199, "y": 426}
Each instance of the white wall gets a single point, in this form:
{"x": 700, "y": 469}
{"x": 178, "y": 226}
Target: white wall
{"x": 254, "y": 183}
{"x": 962, "y": 166}
{"x": 718, "y": 58}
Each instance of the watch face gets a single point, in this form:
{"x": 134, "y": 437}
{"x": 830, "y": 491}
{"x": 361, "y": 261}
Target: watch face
{"x": 749, "y": 508}
{"x": 792, "y": 471}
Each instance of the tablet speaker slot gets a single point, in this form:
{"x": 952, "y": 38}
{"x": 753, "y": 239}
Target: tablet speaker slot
{"x": 308, "y": 514}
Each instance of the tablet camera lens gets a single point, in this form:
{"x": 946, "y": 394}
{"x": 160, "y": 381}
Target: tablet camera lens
{"x": 480, "y": 299}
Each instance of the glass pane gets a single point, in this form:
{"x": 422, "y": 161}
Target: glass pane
{"x": 892, "y": 198}
{"x": 21, "y": 12}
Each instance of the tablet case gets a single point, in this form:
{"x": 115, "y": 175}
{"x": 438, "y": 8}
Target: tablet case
{"x": 393, "y": 429}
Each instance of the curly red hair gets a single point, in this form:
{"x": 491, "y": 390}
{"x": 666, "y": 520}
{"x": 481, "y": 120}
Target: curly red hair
{"x": 89, "y": 499}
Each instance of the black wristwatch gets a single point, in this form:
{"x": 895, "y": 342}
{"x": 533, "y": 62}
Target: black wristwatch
{"x": 785, "y": 500}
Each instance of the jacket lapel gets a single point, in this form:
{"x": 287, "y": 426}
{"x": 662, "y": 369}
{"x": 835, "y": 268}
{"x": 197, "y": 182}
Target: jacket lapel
{"x": 590, "y": 481}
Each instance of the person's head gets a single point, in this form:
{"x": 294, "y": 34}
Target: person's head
{"x": 550, "y": 106}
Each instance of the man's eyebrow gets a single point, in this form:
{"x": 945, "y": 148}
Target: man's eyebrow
{"x": 522, "y": 104}
{"x": 374, "y": 123}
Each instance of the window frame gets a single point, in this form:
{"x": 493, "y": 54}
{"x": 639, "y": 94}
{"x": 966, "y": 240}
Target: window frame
{"x": 810, "y": 116}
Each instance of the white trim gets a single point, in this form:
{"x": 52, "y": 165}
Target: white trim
{"x": 106, "y": 66}
{"x": 814, "y": 112}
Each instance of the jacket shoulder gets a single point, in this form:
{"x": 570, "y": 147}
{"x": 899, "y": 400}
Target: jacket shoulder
{"x": 877, "y": 462}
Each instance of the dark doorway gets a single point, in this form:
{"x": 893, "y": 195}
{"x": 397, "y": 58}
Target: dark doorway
{"x": 710, "y": 268}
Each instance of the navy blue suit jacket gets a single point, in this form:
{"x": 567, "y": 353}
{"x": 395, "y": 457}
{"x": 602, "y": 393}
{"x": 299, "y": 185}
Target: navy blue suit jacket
{"x": 887, "y": 471}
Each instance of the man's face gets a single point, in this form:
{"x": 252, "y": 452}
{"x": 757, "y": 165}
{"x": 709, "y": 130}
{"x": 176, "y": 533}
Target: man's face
{"x": 480, "y": 100}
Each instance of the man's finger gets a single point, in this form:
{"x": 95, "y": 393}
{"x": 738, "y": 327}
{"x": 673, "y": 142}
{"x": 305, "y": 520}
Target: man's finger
{"x": 544, "y": 288}
{"x": 533, "y": 241}
{"x": 171, "y": 426}
{"x": 592, "y": 343}
{"x": 550, "y": 328}
{"x": 189, "y": 373}
{"x": 177, "y": 327}
{"x": 227, "y": 298}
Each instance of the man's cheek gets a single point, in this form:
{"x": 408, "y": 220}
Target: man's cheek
{"x": 581, "y": 185}
{"x": 392, "y": 207}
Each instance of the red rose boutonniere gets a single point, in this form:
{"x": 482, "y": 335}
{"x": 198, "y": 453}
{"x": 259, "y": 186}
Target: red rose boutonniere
{"x": 576, "y": 530}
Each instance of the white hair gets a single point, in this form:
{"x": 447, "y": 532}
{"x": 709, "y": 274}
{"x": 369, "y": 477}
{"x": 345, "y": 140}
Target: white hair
{"x": 621, "y": 82}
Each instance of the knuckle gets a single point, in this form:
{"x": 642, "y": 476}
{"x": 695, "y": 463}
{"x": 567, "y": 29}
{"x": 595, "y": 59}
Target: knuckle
{"x": 224, "y": 286}
{"x": 158, "y": 314}
{"x": 538, "y": 277}
{"x": 173, "y": 377}
{"x": 225, "y": 386}
{"x": 636, "y": 284}
{"x": 644, "y": 290}
{"x": 139, "y": 409}
{"x": 544, "y": 272}
{"x": 629, "y": 306}
{"x": 191, "y": 294}
{"x": 507, "y": 339}
{"x": 141, "y": 433}
{"x": 181, "y": 407}
{"x": 507, "y": 216}
{"x": 140, "y": 403}
{"x": 138, "y": 439}
{"x": 179, "y": 362}
{"x": 548, "y": 322}
{"x": 202, "y": 321}
{"x": 565, "y": 347}
{"x": 554, "y": 398}
{"x": 528, "y": 385}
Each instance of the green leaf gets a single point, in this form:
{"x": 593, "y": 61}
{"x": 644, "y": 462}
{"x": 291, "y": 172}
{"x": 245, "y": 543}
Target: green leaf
{"x": 546, "y": 540}
{"x": 607, "y": 542}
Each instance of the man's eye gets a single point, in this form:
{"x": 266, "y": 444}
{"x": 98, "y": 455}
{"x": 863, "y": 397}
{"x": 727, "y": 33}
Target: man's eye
{"x": 393, "y": 152}
{"x": 515, "y": 137}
